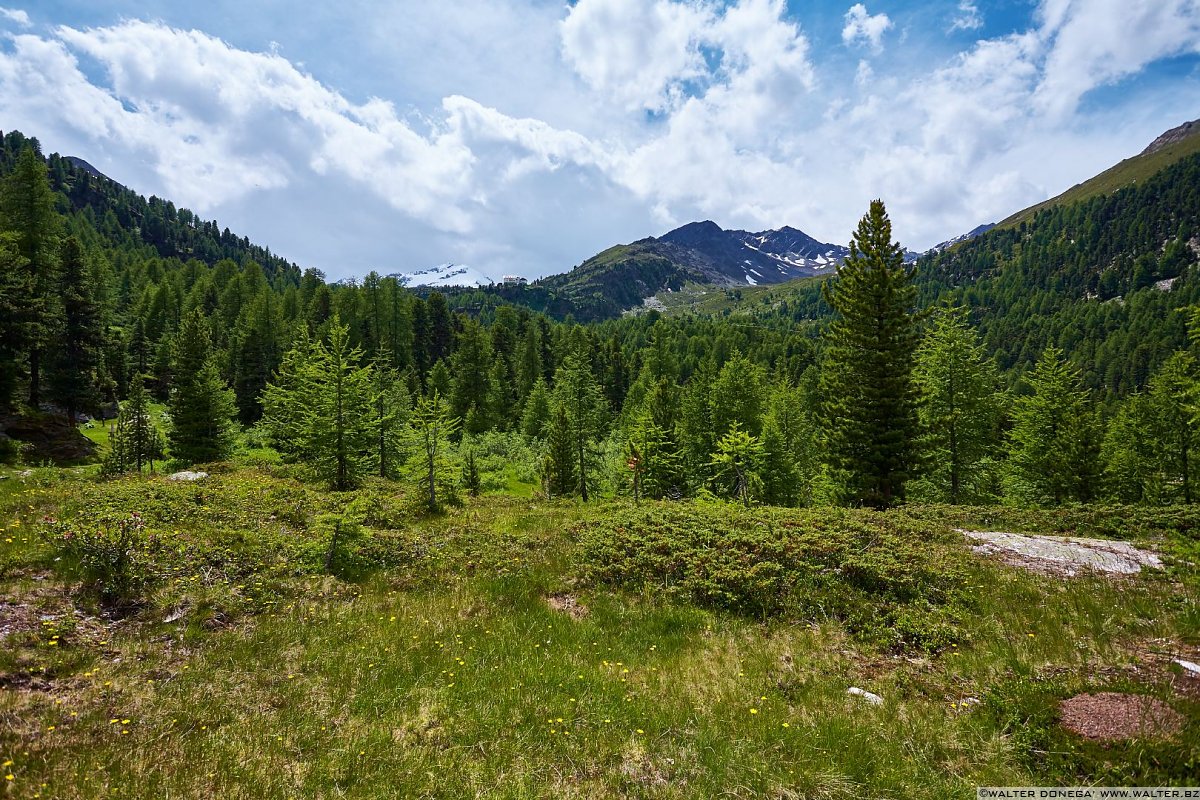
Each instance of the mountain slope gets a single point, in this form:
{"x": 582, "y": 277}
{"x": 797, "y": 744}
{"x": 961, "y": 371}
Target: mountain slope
{"x": 746, "y": 258}
{"x": 621, "y": 277}
{"x": 1172, "y": 146}
{"x": 127, "y": 221}
{"x": 1110, "y": 279}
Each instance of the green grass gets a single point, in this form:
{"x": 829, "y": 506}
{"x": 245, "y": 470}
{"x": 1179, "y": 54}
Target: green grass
{"x": 434, "y": 665}
{"x": 100, "y": 431}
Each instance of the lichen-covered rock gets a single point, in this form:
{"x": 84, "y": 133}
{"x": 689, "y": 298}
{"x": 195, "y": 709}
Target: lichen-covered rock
{"x": 188, "y": 475}
{"x": 1063, "y": 555}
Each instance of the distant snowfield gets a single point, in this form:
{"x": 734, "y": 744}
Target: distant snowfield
{"x": 444, "y": 275}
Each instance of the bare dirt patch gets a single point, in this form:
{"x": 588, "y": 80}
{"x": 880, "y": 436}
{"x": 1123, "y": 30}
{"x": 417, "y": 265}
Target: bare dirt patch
{"x": 1111, "y": 716}
{"x": 1062, "y": 556}
{"x": 567, "y": 604}
{"x": 1172, "y": 661}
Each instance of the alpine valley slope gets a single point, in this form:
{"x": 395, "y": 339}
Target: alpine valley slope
{"x": 622, "y": 277}
{"x": 1108, "y": 272}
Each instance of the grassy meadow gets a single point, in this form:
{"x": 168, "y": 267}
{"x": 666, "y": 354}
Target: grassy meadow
{"x": 166, "y": 639}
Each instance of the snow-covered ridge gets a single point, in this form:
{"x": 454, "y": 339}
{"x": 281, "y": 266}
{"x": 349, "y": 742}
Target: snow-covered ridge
{"x": 444, "y": 275}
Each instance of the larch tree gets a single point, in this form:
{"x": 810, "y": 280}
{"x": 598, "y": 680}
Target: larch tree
{"x": 959, "y": 408}
{"x": 393, "y": 407}
{"x": 577, "y": 394}
{"x": 737, "y": 465}
{"x": 870, "y": 397}
{"x": 1133, "y": 463}
{"x": 320, "y": 408}
{"x": 201, "y": 405}
{"x": 1174, "y": 426}
{"x": 790, "y": 455}
{"x": 661, "y": 459}
{"x": 1048, "y": 449}
{"x": 135, "y": 441}
{"x": 431, "y": 427}
{"x": 536, "y": 416}
{"x": 341, "y": 422}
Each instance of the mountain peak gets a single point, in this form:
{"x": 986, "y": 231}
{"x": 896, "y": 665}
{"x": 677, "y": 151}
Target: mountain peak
{"x": 692, "y": 232}
{"x": 1174, "y": 135}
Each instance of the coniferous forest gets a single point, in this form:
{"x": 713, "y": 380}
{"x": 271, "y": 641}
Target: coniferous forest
{"x": 915, "y": 527}
{"x": 1081, "y": 315}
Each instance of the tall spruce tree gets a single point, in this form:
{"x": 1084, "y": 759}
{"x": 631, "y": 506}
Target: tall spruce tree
{"x": 255, "y": 352}
{"x": 959, "y": 409}
{"x": 870, "y": 398}
{"x": 201, "y": 405}
{"x": 80, "y": 338}
{"x": 529, "y": 360}
{"x": 27, "y": 211}
{"x": 559, "y": 473}
{"x": 470, "y": 365}
{"x": 577, "y": 394}
{"x": 12, "y": 295}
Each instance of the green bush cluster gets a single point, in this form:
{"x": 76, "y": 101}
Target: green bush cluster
{"x": 227, "y": 542}
{"x": 116, "y": 556}
{"x": 892, "y": 580}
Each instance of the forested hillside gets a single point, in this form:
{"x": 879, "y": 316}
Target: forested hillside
{"x": 113, "y": 297}
{"x": 1110, "y": 281}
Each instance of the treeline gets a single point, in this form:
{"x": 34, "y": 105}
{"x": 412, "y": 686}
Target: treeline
{"x": 362, "y": 378}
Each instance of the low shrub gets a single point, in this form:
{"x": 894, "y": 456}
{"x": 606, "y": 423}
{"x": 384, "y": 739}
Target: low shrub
{"x": 890, "y": 579}
{"x": 115, "y": 555}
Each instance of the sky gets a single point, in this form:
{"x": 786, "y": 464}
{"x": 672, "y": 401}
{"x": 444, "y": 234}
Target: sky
{"x": 524, "y": 136}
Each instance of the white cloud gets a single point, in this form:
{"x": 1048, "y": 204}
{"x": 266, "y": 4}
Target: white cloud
{"x": 864, "y": 73}
{"x": 217, "y": 122}
{"x": 637, "y": 52}
{"x": 623, "y": 119}
{"x": 17, "y": 15}
{"x": 861, "y": 26}
{"x": 1098, "y": 42}
{"x": 969, "y": 18}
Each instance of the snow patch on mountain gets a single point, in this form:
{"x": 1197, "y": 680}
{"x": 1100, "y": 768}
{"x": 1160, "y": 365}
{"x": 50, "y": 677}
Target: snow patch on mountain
{"x": 937, "y": 248}
{"x": 444, "y": 275}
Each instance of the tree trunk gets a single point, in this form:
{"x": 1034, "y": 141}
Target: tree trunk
{"x": 35, "y": 377}
{"x": 333, "y": 542}
{"x": 582, "y": 465}
{"x": 432, "y": 453}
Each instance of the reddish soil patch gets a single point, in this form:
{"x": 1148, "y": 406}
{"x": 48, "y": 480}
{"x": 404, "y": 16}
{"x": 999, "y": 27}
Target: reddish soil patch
{"x": 1108, "y": 716}
{"x": 567, "y": 604}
